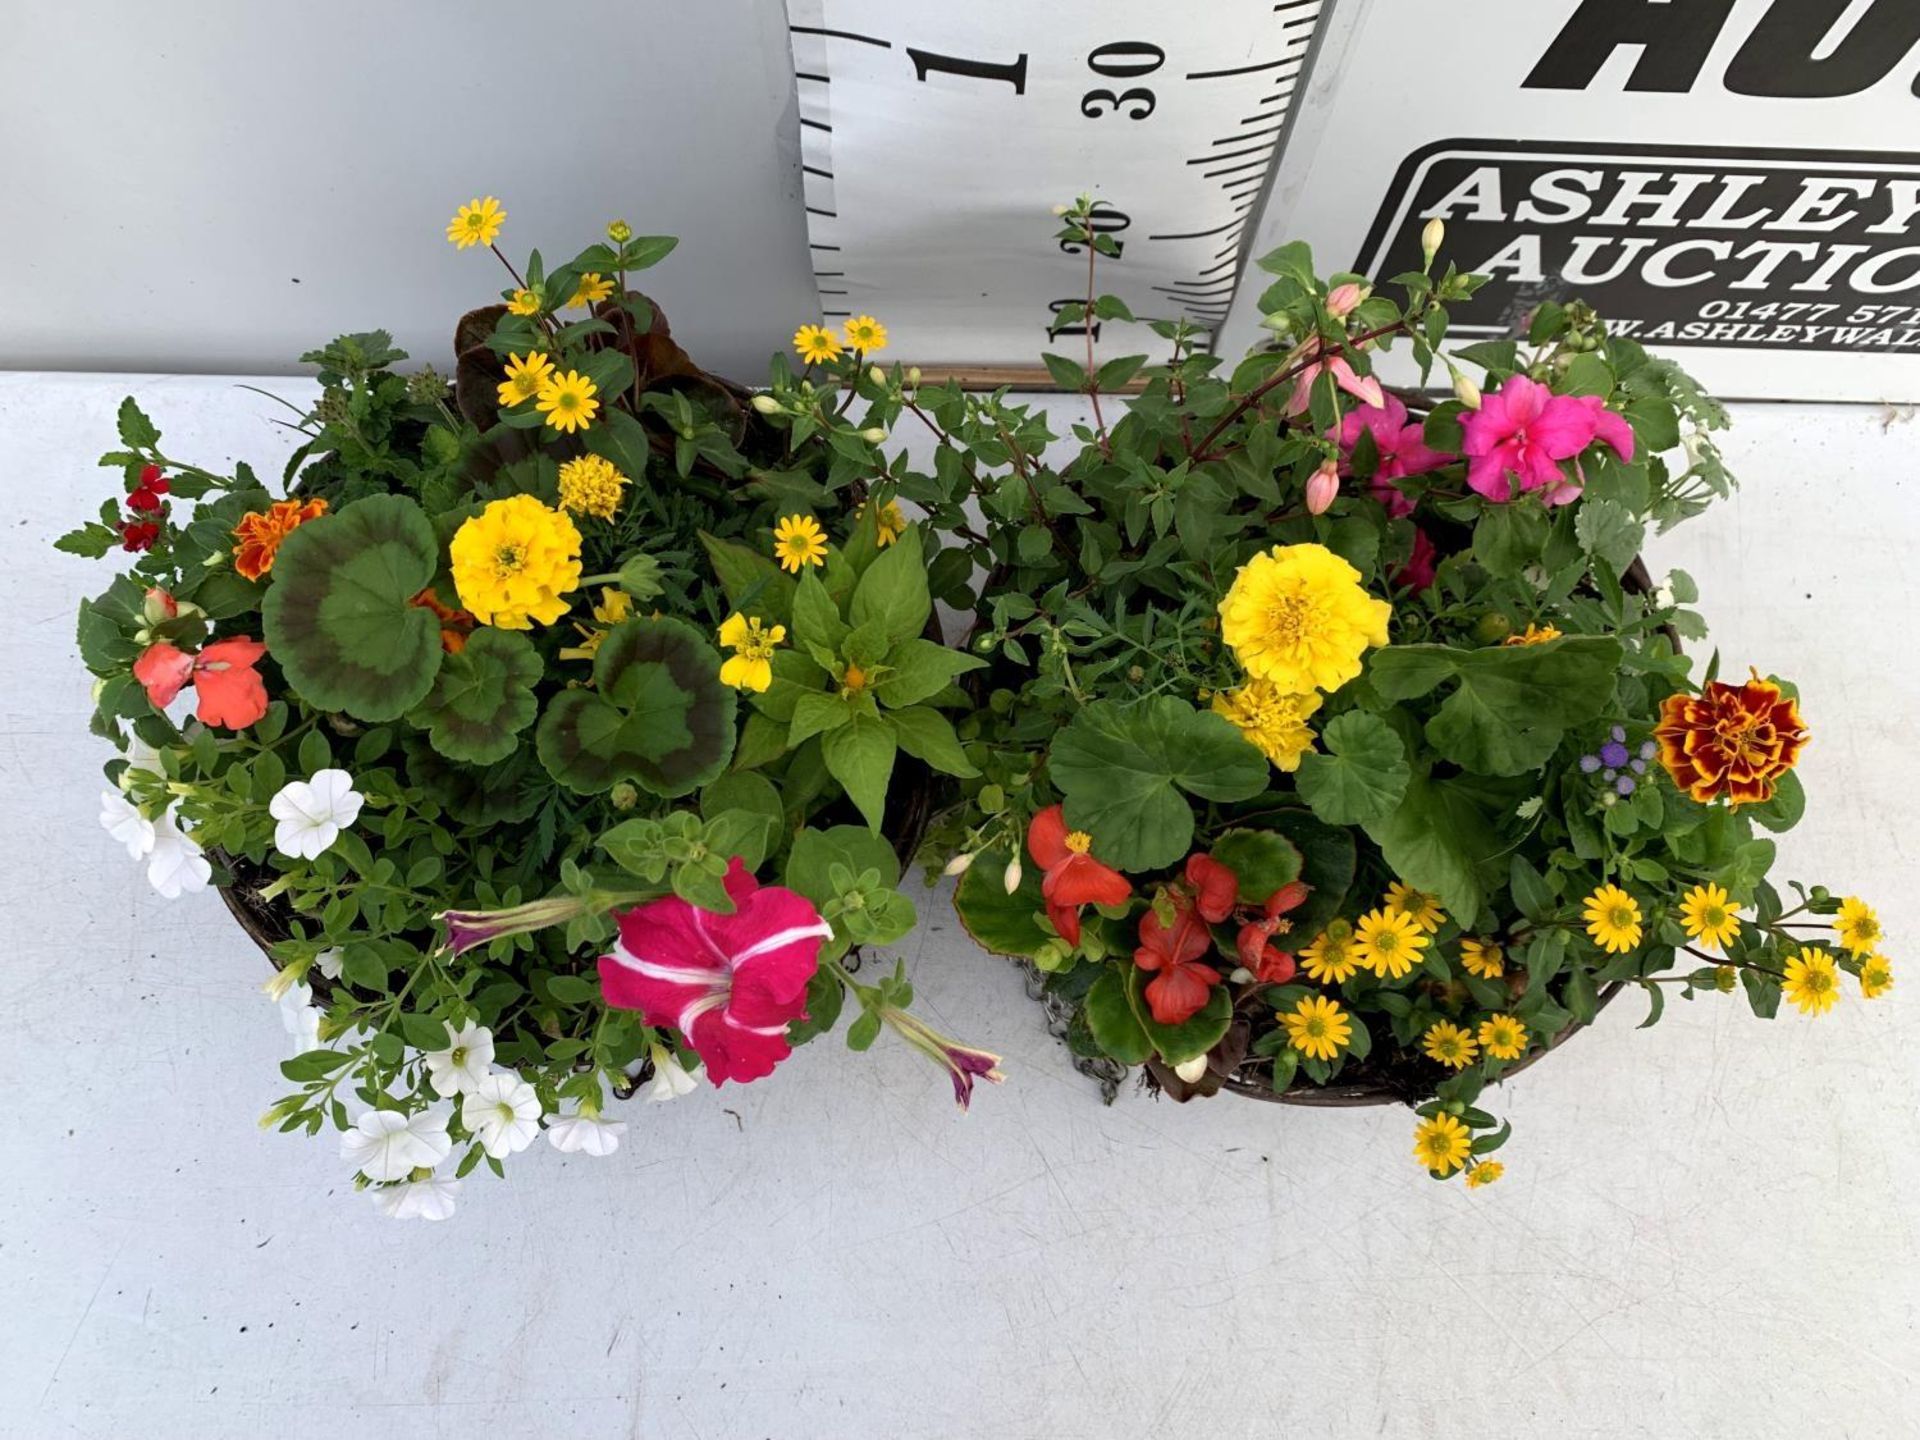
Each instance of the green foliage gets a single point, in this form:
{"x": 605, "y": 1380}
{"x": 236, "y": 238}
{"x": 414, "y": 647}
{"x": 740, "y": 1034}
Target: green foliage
{"x": 482, "y": 697}
{"x": 1361, "y": 773}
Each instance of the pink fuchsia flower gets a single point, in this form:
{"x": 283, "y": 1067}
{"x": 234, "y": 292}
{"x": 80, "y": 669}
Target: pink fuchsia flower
{"x": 1417, "y": 573}
{"x": 729, "y": 983}
{"x": 1524, "y": 431}
{"x": 1323, "y": 487}
{"x": 1365, "y": 389}
{"x": 1343, "y": 300}
{"x": 1401, "y": 444}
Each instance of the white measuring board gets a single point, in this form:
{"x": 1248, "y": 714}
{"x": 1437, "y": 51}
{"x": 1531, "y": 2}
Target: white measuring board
{"x": 935, "y": 140}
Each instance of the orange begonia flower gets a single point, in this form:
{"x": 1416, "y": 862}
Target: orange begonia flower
{"x": 1073, "y": 877}
{"x": 261, "y": 532}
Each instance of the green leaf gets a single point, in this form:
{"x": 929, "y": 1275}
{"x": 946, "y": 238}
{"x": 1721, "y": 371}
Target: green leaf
{"x": 860, "y": 756}
{"x": 1362, "y": 773}
{"x": 920, "y": 669}
{"x": 1067, "y": 374}
{"x": 1608, "y": 531}
{"x": 816, "y": 852}
{"x": 928, "y": 735}
{"x": 754, "y": 583}
{"x": 1260, "y": 860}
{"x": 1121, "y": 768}
{"x": 894, "y": 589}
{"x": 337, "y": 616}
{"x": 816, "y": 619}
{"x": 1783, "y": 811}
{"x": 815, "y": 713}
{"x": 482, "y": 698}
{"x": 1441, "y": 835}
{"x": 998, "y": 922}
{"x": 1192, "y": 1037}
{"x": 137, "y": 432}
{"x": 1508, "y": 538}
{"x": 1116, "y": 1029}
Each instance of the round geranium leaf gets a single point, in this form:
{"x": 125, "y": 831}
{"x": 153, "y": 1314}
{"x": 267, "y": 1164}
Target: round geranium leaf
{"x": 482, "y": 698}
{"x": 502, "y": 794}
{"x": 337, "y": 615}
{"x": 657, "y": 715}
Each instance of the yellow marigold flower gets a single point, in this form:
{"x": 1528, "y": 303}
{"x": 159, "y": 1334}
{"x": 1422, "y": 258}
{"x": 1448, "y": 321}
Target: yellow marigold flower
{"x": 750, "y": 667}
{"x": 1504, "y": 1037}
{"x": 1485, "y": 1173}
{"x": 1811, "y": 982}
{"x": 1317, "y": 1027}
{"x": 1298, "y": 616}
{"x": 567, "y": 402}
{"x": 1706, "y": 916}
{"x": 1876, "y": 977}
{"x": 614, "y": 606}
{"x": 1442, "y": 1143}
{"x": 593, "y": 288}
{"x": 1483, "y": 958}
{"x": 1270, "y": 719}
{"x": 1388, "y": 942}
{"x": 526, "y": 378}
{"x": 1533, "y": 635}
{"x": 889, "y": 525}
{"x": 863, "y": 332}
{"x": 798, "y": 541}
{"x": 815, "y": 343}
{"x": 1329, "y": 959}
{"x": 591, "y": 485}
{"x": 1450, "y": 1045}
{"x": 523, "y": 302}
{"x": 1613, "y": 919}
{"x": 1424, "y": 908}
{"x": 1857, "y": 926}
{"x": 476, "y": 223}
{"x": 514, "y": 561}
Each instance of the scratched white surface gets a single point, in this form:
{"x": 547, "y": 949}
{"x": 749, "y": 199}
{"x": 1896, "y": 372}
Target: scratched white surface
{"x": 1707, "y": 1228}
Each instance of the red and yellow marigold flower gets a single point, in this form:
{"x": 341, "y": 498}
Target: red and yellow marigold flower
{"x": 1731, "y": 740}
{"x": 261, "y": 532}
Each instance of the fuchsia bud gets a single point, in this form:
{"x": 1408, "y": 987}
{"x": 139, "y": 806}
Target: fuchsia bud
{"x": 158, "y": 605}
{"x": 1322, "y": 488}
{"x": 1343, "y": 300}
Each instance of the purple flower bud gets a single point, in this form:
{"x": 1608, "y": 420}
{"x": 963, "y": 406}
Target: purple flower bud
{"x": 1619, "y": 732}
{"x": 1639, "y": 767}
{"x": 1626, "y": 785}
{"x": 1647, "y": 750}
{"x": 1613, "y": 753}
{"x": 1589, "y": 763}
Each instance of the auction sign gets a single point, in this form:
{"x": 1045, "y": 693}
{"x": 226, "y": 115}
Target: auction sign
{"x": 1723, "y": 180}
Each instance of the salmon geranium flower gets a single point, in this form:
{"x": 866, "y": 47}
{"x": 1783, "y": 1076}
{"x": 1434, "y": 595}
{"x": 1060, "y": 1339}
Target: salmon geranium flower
{"x": 261, "y": 532}
{"x": 1181, "y": 984}
{"x": 1731, "y": 740}
{"x": 229, "y": 690}
{"x": 1073, "y": 877}
{"x": 730, "y": 984}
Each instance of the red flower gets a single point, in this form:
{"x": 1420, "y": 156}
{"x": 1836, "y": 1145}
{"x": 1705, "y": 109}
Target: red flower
{"x": 138, "y": 535}
{"x": 1216, "y": 889}
{"x": 1270, "y": 966}
{"x": 1180, "y": 988}
{"x": 229, "y": 689}
{"x": 729, "y": 983}
{"x": 1073, "y": 877}
{"x": 146, "y": 495}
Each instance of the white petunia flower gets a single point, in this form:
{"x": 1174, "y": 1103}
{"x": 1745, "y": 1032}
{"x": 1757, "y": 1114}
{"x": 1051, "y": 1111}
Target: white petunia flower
{"x": 503, "y": 1114}
{"x": 467, "y": 1060}
{"x": 141, "y": 756}
{"x": 123, "y": 821}
{"x": 670, "y": 1079}
{"x": 328, "y": 962}
{"x": 428, "y": 1199}
{"x": 590, "y": 1134}
{"x": 175, "y": 865}
{"x": 390, "y": 1145}
{"x": 312, "y": 813}
{"x": 300, "y": 1017}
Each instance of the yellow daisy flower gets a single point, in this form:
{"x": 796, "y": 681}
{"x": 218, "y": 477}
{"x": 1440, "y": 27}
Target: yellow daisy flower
{"x": 1485, "y": 1173}
{"x": 1442, "y": 1143}
{"x": 1424, "y": 908}
{"x": 526, "y": 378}
{"x": 1317, "y": 1027}
{"x": 1857, "y": 926}
{"x": 1450, "y": 1045}
{"x": 863, "y": 332}
{"x": 889, "y": 525}
{"x": 613, "y": 607}
{"x": 476, "y": 223}
{"x": 1297, "y": 615}
{"x": 1388, "y": 942}
{"x": 1613, "y": 919}
{"x": 1811, "y": 982}
{"x": 593, "y": 288}
{"x": 1329, "y": 959}
{"x": 1707, "y": 917}
{"x": 1876, "y": 977}
{"x": 514, "y": 561}
{"x": 1483, "y": 958}
{"x": 1533, "y": 635}
{"x": 1271, "y": 720}
{"x": 815, "y": 343}
{"x": 523, "y": 302}
{"x": 1504, "y": 1037}
{"x": 567, "y": 402}
{"x": 751, "y": 665}
{"x": 798, "y": 541}
{"x": 590, "y": 485}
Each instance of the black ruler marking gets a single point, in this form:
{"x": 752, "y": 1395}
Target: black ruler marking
{"x": 821, "y": 30}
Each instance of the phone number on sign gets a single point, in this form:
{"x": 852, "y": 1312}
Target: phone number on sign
{"x": 1784, "y": 323}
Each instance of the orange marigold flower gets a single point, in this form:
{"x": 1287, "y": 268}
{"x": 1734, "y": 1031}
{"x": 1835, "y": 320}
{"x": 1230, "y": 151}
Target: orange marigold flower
{"x": 1731, "y": 740}
{"x": 261, "y": 532}
{"x": 454, "y": 624}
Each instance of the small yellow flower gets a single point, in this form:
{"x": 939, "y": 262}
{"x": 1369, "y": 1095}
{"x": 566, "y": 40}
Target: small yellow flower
{"x": 567, "y": 402}
{"x": 1485, "y": 1173}
{"x": 889, "y": 525}
{"x": 863, "y": 332}
{"x": 614, "y": 606}
{"x": 1442, "y": 1143}
{"x": 798, "y": 541}
{"x": 523, "y": 302}
{"x": 526, "y": 378}
{"x": 1504, "y": 1037}
{"x": 619, "y": 231}
{"x": 590, "y": 485}
{"x": 593, "y": 288}
{"x": 815, "y": 343}
{"x": 1613, "y": 919}
{"x": 1424, "y": 908}
{"x": 1811, "y": 982}
{"x": 1533, "y": 635}
{"x": 476, "y": 223}
{"x": 1483, "y": 958}
{"x": 1876, "y": 977}
{"x": 1857, "y": 926}
{"x": 1450, "y": 1045}
{"x": 751, "y": 665}
{"x": 1707, "y": 917}
{"x": 1271, "y": 720}
{"x": 1318, "y": 1028}
{"x": 1329, "y": 959}
{"x": 1388, "y": 942}
{"x": 514, "y": 562}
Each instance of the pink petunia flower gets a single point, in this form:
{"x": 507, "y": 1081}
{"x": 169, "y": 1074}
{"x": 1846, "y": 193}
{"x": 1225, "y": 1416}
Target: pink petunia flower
{"x": 1401, "y": 444}
{"x": 1524, "y": 431}
{"x": 729, "y": 983}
